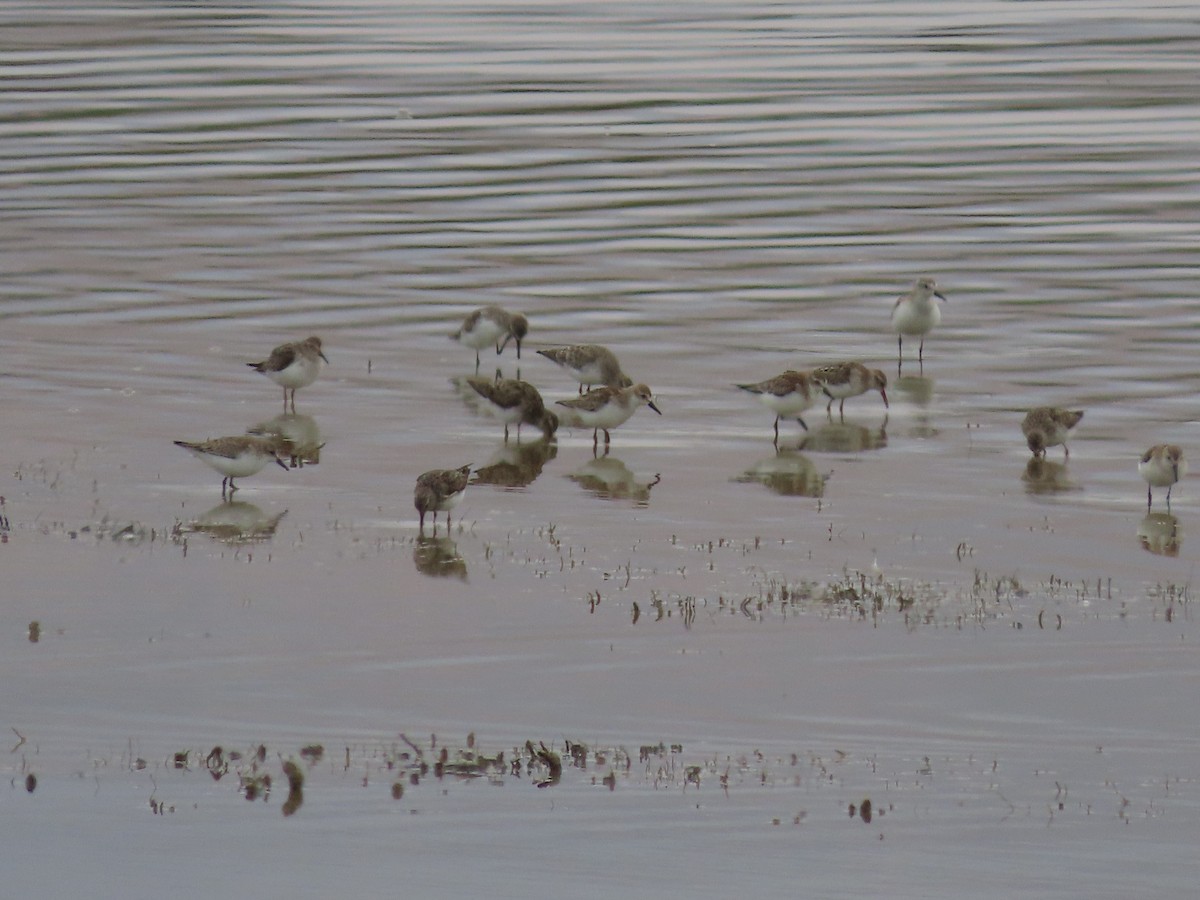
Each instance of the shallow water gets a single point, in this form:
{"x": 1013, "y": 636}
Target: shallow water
{"x": 895, "y": 607}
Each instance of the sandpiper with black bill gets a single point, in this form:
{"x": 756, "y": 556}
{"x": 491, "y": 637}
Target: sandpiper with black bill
{"x": 236, "y": 456}
{"x": 440, "y": 490}
{"x": 492, "y": 325}
{"x": 293, "y": 366}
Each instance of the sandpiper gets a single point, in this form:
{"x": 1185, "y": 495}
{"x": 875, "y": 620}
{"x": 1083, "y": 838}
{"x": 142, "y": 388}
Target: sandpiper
{"x": 236, "y": 457}
{"x": 589, "y": 364}
{"x": 293, "y": 366}
{"x": 440, "y": 489}
{"x": 514, "y": 402}
{"x": 492, "y": 325}
{"x": 1049, "y": 426}
{"x": 605, "y": 408}
{"x": 788, "y": 395}
{"x": 916, "y": 314}
{"x": 1162, "y": 466}
{"x": 849, "y": 379}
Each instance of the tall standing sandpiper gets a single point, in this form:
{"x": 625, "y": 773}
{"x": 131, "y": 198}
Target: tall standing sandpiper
{"x": 787, "y": 395}
{"x": 1162, "y": 466}
{"x": 440, "y": 489}
{"x": 589, "y": 364}
{"x": 293, "y": 366}
{"x": 514, "y": 402}
{"x": 492, "y": 325}
{"x": 1049, "y": 426}
{"x": 915, "y": 314}
{"x": 237, "y": 456}
{"x": 605, "y": 408}
{"x": 849, "y": 379}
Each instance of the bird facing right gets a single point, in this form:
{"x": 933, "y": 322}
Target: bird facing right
{"x": 915, "y": 314}
{"x": 440, "y": 489}
{"x": 787, "y": 395}
{"x": 1162, "y": 466}
{"x": 605, "y": 408}
{"x": 1049, "y": 426}
{"x": 589, "y": 364}
{"x": 236, "y": 456}
{"x": 849, "y": 379}
{"x": 492, "y": 325}
{"x": 514, "y": 402}
{"x": 293, "y": 366}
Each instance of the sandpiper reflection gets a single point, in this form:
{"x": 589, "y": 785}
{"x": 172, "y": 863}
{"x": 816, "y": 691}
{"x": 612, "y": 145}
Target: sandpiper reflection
{"x": 610, "y": 479}
{"x": 1043, "y": 476}
{"x": 300, "y": 434}
{"x": 845, "y": 437}
{"x": 1159, "y": 533}
{"x": 234, "y": 522}
{"x": 515, "y": 466}
{"x": 914, "y": 389}
{"x": 789, "y": 473}
{"x": 438, "y": 557}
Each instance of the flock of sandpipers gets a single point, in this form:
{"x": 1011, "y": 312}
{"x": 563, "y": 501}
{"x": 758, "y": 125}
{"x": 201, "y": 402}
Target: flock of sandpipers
{"x": 517, "y": 402}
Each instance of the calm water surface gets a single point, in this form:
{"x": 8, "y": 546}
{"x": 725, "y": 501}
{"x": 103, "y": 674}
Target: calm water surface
{"x": 894, "y": 607}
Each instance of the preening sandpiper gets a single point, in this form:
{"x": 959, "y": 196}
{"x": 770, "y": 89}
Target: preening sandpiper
{"x": 293, "y": 366}
{"x": 605, "y": 408}
{"x": 589, "y": 364}
{"x": 849, "y": 379}
{"x": 236, "y": 457}
{"x": 1162, "y": 466}
{"x": 492, "y": 325}
{"x": 440, "y": 490}
{"x": 514, "y": 402}
{"x": 1049, "y": 426}
{"x": 788, "y": 394}
{"x": 915, "y": 314}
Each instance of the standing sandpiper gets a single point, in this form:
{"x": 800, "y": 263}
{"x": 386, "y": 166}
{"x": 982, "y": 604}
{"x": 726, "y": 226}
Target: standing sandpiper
{"x": 236, "y": 457}
{"x": 849, "y": 379}
{"x": 514, "y": 402}
{"x": 787, "y": 395}
{"x": 440, "y": 490}
{"x": 1162, "y": 466}
{"x": 606, "y": 408}
{"x": 293, "y": 366}
{"x": 915, "y": 314}
{"x": 492, "y": 325}
{"x": 1049, "y": 426}
{"x": 589, "y": 364}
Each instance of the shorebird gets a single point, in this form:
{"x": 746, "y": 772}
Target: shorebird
{"x": 849, "y": 379}
{"x": 787, "y": 395}
{"x": 293, "y": 366}
{"x": 1162, "y": 466}
{"x": 1049, "y": 426}
{"x": 440, "y": 490}
{"x": 605, "y": 408}
{"x": 589, "y": 364}
{"x": 492, "y": 325}
{"x": 236, "y": 457}
{"x": 514, "y": 402}
{"x": 915, "y": 314}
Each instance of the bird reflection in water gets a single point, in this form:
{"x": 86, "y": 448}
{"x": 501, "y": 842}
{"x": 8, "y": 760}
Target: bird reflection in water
{"x": 1159, "y": 533}
{"x": 515, "y": 466}
{"x": 438, "y": 557}
{"x": 789, "y": 473}
{"x": 235, "y": 523}
{"x": 299, "y": 432}
{"x": 610, "y": 479}
{"x": 845, "y": 437}
{"x": 1042, "y": 476}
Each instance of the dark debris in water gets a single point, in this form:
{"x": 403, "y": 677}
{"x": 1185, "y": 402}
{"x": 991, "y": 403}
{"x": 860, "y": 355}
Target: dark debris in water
{"x": 872, "y": 598}
{"x": 401, "y": 770}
